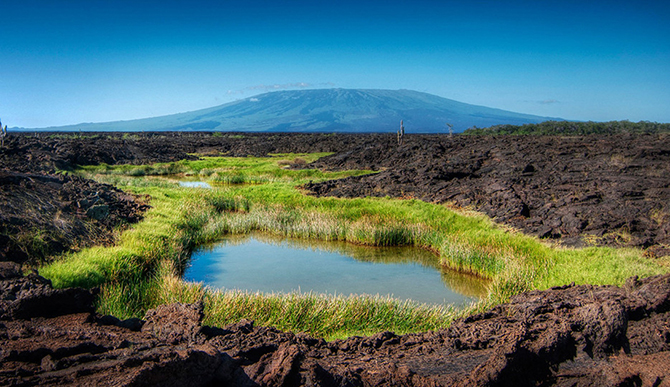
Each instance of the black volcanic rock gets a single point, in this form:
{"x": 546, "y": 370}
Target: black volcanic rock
{"x": 565, "y": 336}
{"x": 606, "y": 190}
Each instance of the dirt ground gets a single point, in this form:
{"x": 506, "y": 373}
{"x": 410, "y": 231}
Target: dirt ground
{"x": 611, "y": 190}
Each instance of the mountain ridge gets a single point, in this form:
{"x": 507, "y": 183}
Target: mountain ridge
{"x": 325, "y": 110}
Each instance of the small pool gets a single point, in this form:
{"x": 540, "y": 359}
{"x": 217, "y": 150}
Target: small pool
{"x": 188, "y": 181}
{"x": 194, "y": 184}
{"x": 260, "y": 263}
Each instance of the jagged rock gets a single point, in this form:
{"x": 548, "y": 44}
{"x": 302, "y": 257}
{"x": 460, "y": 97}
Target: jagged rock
{"x": 98, "y": 212}
{"x": 570, "y": 335}
{"x": 33, "y": 296}
{"x": 563, "y": 188}
{"x": 175, "y": 323}
{"x": 9, "y": 270}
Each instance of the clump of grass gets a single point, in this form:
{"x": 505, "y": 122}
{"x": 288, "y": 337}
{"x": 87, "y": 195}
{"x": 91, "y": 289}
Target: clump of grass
{"x": 142, "y": 171}
{"x": 206, "y": 172}
{"x": 222, "y": 203}
{"x": 127, "y": 300}
{"x": 236, "y": 178}
{"x": 328, "y": 316}
{"x": 600, "y": 266}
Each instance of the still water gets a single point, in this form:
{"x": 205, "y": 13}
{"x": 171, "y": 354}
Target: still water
{"x": 194, "y": 184}
{"x": 188, "y": 181}
{"x": 261, "y": 263}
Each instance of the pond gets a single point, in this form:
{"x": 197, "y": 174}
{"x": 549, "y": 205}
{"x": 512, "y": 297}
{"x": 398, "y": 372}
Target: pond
{"x": 197, "y": 182}
{"x": 262, "y": 263}
{"x": 188, "y": 181}
{"x": 194, "y": 184}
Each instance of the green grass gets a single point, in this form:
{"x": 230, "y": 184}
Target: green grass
{"x": 232, "y": 170}
{"x": 142, "y": 269}
{"x": 600, "y": 266}
{"x": 321, "y": 315}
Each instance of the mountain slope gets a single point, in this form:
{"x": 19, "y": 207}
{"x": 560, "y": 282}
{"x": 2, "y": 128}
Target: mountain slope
{"x": 327, "y": 110}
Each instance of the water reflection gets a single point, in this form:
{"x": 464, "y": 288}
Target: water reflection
{"x": 260, "y": 262}
{"x": 187, "y": 181}
{"x": 194, "y": 184}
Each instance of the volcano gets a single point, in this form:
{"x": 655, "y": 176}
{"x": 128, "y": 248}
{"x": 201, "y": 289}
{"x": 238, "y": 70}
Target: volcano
{"x": 326, "y": 110}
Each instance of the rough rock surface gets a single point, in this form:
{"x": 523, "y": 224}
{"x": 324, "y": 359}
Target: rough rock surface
{"x": 46, "y": 152}
{"x": 605, "y": 190}
{"x": 613, "y": 188}
{"x": 46, "y": 214}
{"x": 567, "y": 336}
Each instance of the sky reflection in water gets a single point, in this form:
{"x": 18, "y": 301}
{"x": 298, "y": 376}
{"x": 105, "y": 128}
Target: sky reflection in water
{"x": 266, "y": 264}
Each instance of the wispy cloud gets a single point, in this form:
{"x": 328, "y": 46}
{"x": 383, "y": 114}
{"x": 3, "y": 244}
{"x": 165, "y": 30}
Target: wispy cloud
{"x": 298, "y": 85}
{"x": 276, "y": 86}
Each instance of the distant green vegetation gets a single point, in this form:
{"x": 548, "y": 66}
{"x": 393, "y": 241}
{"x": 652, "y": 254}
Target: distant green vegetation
{"x": 231, "y": 170}
{"x": 570, "y": 128}
{"x": 143, "y": 269}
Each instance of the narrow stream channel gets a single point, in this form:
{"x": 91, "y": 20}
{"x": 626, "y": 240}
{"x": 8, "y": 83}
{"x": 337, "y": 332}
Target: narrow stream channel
{"x": 262, "y": 263}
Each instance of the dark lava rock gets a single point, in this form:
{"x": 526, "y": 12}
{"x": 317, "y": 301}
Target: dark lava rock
{"x": 9, "y": 270}
{"x": 98, "y": 212}
{"x": 175, "y": 323}
{"x": 565, "y": 336}
{"x": 604, "y": 190}
{"x": 33, "y": 296}
{"x": 41, "y": 215}
{"x": 578, "y": 190}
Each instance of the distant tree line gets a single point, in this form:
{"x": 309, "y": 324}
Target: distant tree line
{"x": 571, "y": 128}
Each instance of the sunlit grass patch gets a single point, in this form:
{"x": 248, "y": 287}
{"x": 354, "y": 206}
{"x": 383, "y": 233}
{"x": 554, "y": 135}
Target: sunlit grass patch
{"x": 229, "y": 170}
{"x": 329, "y": 316}
{"x": 600, "y": 266}
{"x": 142, "y": 270}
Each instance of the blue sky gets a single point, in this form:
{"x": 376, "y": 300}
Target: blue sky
{"x": 70, "y": 61}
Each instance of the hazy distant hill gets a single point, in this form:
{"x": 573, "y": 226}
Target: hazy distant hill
{"x": 326, "y": 110}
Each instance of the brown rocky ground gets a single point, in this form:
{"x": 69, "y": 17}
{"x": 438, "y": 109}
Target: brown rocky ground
{"x": 47, "y": 152}
{"x": 45, "y": 214}
{"x": 614, "y": 188}
{"x": 606, "y": 190}
{"x": 568, "y": 336}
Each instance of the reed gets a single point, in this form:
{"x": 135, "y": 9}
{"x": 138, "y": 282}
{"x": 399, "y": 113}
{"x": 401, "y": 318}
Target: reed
{"x": 327, "y": 316}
